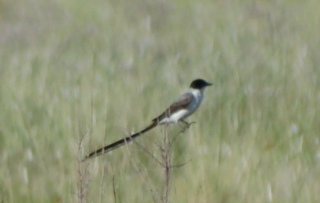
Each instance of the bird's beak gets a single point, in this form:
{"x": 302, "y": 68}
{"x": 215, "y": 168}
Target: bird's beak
{"x": 209, "y": 84}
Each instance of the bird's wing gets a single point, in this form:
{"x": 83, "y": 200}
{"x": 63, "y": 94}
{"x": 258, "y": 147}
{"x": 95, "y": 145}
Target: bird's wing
{"x": 182, "y": 102}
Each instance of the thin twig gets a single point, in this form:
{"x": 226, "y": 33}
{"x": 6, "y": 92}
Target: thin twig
{"x": 82, "y": 182}
{"x": 180, "y": 165}
{"x": 114, "y": 190}
{"x": 181, "y": 131}
{"x": 148, "y": 153}
{"x": 167, "y": 162}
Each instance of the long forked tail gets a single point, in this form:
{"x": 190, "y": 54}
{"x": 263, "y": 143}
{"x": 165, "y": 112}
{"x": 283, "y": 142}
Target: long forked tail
{"x": 118, "y": 143}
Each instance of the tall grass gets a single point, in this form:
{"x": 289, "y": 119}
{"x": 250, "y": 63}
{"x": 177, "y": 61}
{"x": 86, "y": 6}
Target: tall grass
{"x": 104, "y": 69}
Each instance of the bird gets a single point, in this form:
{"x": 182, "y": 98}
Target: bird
{"x": 180, "y": 109}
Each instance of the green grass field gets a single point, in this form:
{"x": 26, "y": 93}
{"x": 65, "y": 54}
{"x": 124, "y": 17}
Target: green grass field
{"x": 76, "y": 75}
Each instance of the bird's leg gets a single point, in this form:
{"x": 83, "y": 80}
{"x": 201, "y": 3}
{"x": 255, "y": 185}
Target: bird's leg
{"x": 183, "y": 129}
{"x": 186, "y": 123}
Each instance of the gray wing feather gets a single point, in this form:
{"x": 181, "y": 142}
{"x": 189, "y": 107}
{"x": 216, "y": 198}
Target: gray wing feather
{"x": 182, "y": 102}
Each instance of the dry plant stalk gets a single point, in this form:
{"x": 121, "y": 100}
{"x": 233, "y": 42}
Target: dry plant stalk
{"x": 166, "y": 164}
{"x": 82, "y": 182}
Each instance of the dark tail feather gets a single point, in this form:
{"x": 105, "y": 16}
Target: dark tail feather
{"x": 118, "y": 143}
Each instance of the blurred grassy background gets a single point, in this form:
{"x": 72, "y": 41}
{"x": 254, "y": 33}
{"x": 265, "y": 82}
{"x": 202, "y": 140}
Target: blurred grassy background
{"x": 97, "y": 68}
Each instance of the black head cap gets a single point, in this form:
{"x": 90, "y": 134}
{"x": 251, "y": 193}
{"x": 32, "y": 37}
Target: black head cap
{"x": 199, "y": 83}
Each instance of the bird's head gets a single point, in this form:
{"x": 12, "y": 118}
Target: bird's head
{"x": 199, "y": 84}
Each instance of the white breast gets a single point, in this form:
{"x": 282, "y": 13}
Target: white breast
{"x": 195, "y": 103}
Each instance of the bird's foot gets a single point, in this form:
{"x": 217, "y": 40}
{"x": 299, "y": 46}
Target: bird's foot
{"x": 187, "y": 125}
